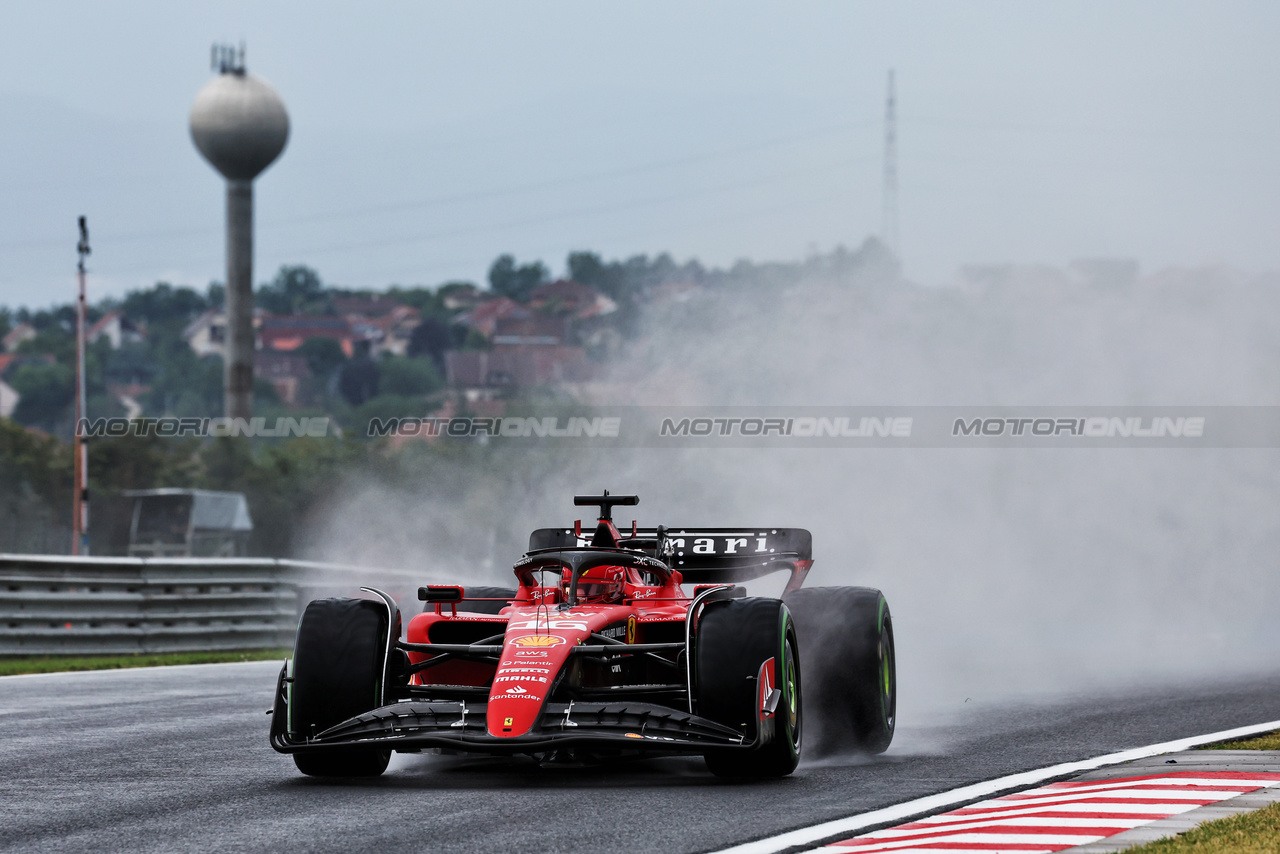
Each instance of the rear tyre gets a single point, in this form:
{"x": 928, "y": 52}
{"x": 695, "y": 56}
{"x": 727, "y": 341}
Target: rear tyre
{"x": 734, "y": 640}
{"x": 338, "y": 661}
{"x": 851, "y": 686}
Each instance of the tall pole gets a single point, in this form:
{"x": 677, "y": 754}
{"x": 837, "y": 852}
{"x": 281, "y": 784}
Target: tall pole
{"x": 80, "y": 495}
{"x": 889, "y": 227}
{"x": 239, "y": 351}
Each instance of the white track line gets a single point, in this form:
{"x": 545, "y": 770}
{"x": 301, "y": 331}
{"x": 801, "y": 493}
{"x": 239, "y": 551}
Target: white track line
{"x": 975, "y": 791}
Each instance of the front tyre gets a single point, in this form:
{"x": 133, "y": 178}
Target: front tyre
{"x": 338, "y": 666}
{"x": 736, "y": 642}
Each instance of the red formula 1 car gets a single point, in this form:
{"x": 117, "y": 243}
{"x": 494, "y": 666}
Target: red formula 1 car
{"x": 601, "y": 652}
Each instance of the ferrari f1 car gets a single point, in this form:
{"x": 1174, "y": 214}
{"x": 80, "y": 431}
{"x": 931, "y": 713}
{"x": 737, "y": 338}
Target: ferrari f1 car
{"x": 601, "y": 651}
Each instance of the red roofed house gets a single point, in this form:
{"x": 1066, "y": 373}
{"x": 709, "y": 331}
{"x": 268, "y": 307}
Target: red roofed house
{"x": 484, "y": 317}
{"x": 207, "y": 334}
{"x": 529, "y": 348}
{"x": 18, "y": 334}
{"x": 384, "y": 322}
{"x": 288, "y": 332}
{"x": 396, "y": 329}
{"x": 566, "y": 297}
{"x": 116, "y": 328}
{"x": 460, "y": 295}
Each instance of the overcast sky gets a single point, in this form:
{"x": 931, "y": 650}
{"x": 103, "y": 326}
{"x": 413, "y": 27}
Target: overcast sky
{"x": 428, "y": 138}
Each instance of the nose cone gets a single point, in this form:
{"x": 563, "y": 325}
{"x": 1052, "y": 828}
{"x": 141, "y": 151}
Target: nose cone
{"x": 239, "y": 124}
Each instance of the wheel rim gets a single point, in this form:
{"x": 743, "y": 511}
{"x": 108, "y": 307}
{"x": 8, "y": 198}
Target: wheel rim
{"x": 791, "y": 694}
{"x": 888, "y": 680}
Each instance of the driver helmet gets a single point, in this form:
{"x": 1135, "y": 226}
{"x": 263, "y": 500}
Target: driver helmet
{"x": 598, "y": 584}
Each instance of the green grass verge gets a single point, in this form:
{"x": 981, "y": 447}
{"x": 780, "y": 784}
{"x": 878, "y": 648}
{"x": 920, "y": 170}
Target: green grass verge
{"x": 12, "y": 666}
{"x": 1266, "y": 741}
{"x": 1247, "y": 833}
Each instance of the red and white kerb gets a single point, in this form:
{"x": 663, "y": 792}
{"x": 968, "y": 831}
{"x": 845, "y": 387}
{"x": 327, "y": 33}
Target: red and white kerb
{"x": 1060, "y": 815}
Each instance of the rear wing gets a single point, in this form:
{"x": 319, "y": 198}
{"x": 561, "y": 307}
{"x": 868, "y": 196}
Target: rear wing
{"x": 706, "y": 555}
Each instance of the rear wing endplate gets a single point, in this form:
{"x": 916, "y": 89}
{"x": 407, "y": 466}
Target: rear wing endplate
{"x": 705, "y": 555}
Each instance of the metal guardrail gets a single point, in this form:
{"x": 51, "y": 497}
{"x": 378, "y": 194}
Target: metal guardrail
{"x": 52, "y": 604}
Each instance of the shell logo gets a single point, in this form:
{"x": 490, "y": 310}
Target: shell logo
{"x": 538, "y": 641}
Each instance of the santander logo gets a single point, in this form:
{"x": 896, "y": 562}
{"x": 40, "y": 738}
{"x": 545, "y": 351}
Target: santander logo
{"x": 516, "y": 693}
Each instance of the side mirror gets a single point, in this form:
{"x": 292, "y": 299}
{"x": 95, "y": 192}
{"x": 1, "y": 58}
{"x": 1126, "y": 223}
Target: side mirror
{"x": 440, "y": 593}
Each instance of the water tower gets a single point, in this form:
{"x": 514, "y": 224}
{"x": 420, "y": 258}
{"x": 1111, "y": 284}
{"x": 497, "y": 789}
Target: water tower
{"x": 239, "y": 124}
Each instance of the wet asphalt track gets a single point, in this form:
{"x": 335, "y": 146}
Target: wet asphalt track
{"x": 176, "y": 759}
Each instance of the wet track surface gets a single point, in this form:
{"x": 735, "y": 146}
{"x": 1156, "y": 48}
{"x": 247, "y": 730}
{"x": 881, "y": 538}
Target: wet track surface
{"x": 176, "y": 759}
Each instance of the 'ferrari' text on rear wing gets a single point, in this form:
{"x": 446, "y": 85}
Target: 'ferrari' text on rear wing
{"x": 704, "y": 555}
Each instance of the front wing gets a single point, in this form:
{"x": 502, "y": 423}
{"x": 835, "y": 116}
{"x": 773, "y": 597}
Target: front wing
{"x": 460, "y": 725}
